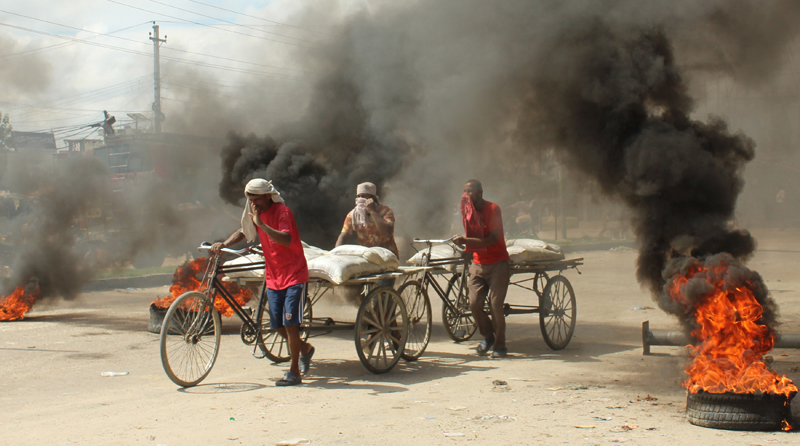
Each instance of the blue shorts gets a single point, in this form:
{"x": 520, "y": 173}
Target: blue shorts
{"x": 286, "y": 306}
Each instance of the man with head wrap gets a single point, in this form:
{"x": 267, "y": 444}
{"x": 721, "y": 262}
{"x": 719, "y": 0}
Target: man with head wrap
{"x": 489, "y": 273}
{"x": 286, "y": 273}
{"x": 369, "y": 220}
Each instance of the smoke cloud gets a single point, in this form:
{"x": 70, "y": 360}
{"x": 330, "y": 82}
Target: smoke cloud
{"x": 419, "y": 97}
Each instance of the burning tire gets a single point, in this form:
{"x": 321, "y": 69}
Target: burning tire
{"x": 739, "y": 411}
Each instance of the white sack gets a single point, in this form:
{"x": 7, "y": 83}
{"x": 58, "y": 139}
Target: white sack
{"x": 244, "y": 261}
{"x": 443, "y": 251}
{"x": 533, "y": 250}
{"x": 340, "y": 268}
{"x": 312, "y": 252}
{"x": 377, "y": 255}
{"x": 516, "y": 254}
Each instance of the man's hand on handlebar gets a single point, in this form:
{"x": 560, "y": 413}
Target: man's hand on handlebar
{"x": 459, "y": 240}
{"x": 217, "y": 247}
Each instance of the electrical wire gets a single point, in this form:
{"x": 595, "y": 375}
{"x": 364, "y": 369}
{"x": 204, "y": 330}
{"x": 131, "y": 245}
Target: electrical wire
{"x": 172, "y": 59}
{"x": 227, "y": 21}
{"x": 258, "y": 18}
{"x": 203, "y": 24}
{"x": 144, "y": 43}
{"x": 59, "y": 45}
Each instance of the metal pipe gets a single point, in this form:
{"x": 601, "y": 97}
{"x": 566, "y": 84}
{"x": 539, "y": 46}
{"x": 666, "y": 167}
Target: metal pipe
{"x": 679, "y": 338}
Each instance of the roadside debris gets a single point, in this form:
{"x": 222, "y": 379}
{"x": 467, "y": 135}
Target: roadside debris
{"x": 293, "y": 442}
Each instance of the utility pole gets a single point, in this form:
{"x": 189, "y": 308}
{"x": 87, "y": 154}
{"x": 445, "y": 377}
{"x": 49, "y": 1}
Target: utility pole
{"x": 157, "y": 115}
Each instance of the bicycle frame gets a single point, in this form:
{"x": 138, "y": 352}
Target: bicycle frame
{"x": 216, "y": 288}
{"x": 428, "y": 279}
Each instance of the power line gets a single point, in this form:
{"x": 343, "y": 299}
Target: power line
{"x": 203, "y": 24}
{"x": 46, "y": 48}
{"x": 258, "y": 18}
{"x": 227, "y": 21}
{"x": 173, "y": 59}
{"x": 143, "y": 43}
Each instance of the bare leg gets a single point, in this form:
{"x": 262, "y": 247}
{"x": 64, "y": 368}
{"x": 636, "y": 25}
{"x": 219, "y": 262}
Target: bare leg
{"x": 297, "y": 347}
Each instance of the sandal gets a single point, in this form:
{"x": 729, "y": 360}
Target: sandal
{"x": 305, "y": 361}
{"x": 289, "y": 380}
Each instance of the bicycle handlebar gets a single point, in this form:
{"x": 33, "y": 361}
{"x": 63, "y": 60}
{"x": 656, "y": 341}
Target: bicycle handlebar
{"x": 431, "y": 242}
{"x": 239, "y": 252}
{"x": 434, "y": 241}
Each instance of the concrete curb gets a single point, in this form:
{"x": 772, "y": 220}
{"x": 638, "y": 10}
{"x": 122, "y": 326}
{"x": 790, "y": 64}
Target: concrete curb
{"x": 114, "y": 283}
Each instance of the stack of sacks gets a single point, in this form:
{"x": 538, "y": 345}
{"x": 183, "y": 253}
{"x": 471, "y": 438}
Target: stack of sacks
{"x": 244, "y": 261}
{"x": 311, "y": 252}
{"x": 530, "y": 250}
{"x": 349, "y": 261}
{"x": 444, "y": 251}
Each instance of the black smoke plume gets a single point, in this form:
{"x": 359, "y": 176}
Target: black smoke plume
{"x": 317, "y": 162}
{"x": 615, "y": 106}
{"x": 45, "y": 238}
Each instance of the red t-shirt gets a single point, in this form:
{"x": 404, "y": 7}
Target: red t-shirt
{"x": 284, "y": 266}
{"x": 493, "y": 219}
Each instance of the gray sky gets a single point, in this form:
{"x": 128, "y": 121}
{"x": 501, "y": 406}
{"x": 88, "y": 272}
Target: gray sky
{"x": 63, "y": 63}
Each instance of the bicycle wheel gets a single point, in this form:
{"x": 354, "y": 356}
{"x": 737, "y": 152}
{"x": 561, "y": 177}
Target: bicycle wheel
{"x": 381, "y": 330}
{"x": 557, "y": 312}
{"x": 190, "y": 337}
{"x": 458, "y": 321}
{"x": 275, "y": 346}
{"x": 420, "y": 322}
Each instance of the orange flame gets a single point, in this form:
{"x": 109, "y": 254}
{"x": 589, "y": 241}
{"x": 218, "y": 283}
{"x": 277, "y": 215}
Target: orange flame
{"x": 14, "y": 306}
{"x": 731, "y": 343}
{"x": 187, "y": 278}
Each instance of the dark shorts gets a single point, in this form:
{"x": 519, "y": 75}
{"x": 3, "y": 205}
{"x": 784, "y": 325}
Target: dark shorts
{"x": 286, "y": 306}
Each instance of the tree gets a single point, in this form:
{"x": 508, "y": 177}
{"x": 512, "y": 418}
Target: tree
{"x": 5, "y": 132}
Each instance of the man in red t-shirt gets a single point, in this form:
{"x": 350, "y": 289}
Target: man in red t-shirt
{"x": 489, "y": 273}
{"x": 286, "y": 271}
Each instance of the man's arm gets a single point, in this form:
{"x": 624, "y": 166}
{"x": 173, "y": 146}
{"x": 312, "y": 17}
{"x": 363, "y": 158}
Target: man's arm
{"x": 342, "y": 238}
{"x": 489, "y": 240}
{"x": 235, "y": 238}
{"x": 283, "y": 238}
{"x": 385, "y": 227}
{"x": 347, "y": 230}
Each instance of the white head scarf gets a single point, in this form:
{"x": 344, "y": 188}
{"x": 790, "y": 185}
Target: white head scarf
{"x": 256, "y": 186}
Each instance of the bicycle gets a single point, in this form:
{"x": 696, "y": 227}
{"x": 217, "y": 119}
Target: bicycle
{"x": 456, "y": 313}
{"x": 192, "y": 328}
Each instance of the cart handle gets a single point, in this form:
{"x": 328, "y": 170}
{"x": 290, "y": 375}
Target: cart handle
{"x": 205, "y": 246}
{"x": 434, "y": 241}
{"x": 431, "y": 242}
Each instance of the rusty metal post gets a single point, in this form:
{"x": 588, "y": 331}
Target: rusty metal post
{"x": 680, "y": 339}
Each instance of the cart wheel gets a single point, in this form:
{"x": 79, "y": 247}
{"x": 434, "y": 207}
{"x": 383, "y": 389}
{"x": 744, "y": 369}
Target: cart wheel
{"x": 272, "y": 343}
{"x": 539, "y": 282}
{"x": 458, "y": 323}
{"x": 557, "y": 312}
{"x": 190, "y": 336}
{"x": 420, "y": 322}
{"x": 381, "y": 330}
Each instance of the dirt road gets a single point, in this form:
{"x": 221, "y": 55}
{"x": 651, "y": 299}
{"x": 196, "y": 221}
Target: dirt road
{"x": 599, "y": 390}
